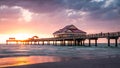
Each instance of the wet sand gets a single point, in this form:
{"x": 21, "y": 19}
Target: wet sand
{"x": 110, "y": 62}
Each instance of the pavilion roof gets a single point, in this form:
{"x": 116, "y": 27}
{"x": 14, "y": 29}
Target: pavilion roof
{"x": 69, "y": 29}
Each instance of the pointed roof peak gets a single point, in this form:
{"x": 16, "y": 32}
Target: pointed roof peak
{"x": 70, "y": 25}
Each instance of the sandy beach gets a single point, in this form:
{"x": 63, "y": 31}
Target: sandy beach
{"x": 110, "y": 62}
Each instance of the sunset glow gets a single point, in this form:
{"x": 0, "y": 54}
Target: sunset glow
{"x": 26, "y": 18}
{"x": 21, "y": 36}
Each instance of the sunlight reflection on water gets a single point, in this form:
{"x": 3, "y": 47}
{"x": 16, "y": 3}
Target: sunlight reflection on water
{"x": 26, "y": 60}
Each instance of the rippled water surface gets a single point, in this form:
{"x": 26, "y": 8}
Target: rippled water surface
{"x": 27, "y": 54}
{"x": 49, "y": 50}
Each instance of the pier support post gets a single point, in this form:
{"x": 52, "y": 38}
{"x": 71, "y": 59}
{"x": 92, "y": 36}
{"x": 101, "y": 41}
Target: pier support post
{"x": 95, "y": 42}
{"x": 55, "y": 42}
{"x": 78, "y": 42}
{"x": 81, "y": 43}
{"x": 89, "y": 42}
{"x": 108, "y": 42}
{"x": 42, "y": 42}
{"x": 74, "y": 42}
{"x": 38, "y": 43}
{"x": 61, "y": 42}
{"x": 116, "y": 42}
{"x": 64, "y": 42}
{"x": 48, "y": 42}
{"x": 69, "y": 43}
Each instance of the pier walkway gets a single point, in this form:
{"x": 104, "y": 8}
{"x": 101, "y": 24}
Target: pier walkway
{"x": 72, "y": 40}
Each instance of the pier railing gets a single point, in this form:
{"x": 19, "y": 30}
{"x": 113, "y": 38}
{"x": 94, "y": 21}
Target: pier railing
{"x": 98, "y": 35}
{"x": 81, "y": 38}
{"x": 103, "y": 35}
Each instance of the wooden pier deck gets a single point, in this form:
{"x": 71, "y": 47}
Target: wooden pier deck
{"x": 72, "y": 40}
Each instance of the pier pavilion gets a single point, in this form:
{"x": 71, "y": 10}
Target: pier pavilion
{"x": 69, "y": 35}
{"x": 69, "y": 31}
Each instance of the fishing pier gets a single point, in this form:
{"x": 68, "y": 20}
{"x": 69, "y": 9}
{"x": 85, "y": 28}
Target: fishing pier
{"x": 70, "y": 36}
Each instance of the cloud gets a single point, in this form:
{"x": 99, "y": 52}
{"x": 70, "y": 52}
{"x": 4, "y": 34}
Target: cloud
{"x": 108, "y": 3}
{"x": 55, "y": 14}
{"x": 26, "y": 15}
{"x": 98, "y": 9}
{"x": 97, "y": 0}
{"x": 34, "y": 5}
{"x": 16, "y": 13}
{"x": 6, "y": 12}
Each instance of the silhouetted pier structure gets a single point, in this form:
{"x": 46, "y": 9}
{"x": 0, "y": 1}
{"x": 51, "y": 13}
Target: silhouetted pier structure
{"x": 76, "y": 40}
{"x": 69, "y": 35}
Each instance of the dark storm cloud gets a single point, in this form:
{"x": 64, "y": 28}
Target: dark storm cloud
{"x": 9, "y": 13}
{"x": 106, "y": 14}
{"x": 82, "y": 4}
{"x": 51, "y": 5}
{"x": 34, "y": 5}
{"x": 102, "y": 10}
{"x": 98, "y": 9}
{"x": 111, "y": 12}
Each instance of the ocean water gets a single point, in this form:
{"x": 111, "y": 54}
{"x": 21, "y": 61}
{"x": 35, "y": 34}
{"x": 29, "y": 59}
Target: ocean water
{"x": 14, "y": 55}
{"x": 51, "y": 50}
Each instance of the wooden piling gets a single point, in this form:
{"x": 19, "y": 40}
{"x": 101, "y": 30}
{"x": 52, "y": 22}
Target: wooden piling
{"x": 95, "y": 42}
{"x": 108, "y": 42}
{"x": 116, "y": 42}
{"x": 89, "y": 42}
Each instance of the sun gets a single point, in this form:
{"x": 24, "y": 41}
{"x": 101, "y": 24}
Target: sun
{"x": 22, "y": 36}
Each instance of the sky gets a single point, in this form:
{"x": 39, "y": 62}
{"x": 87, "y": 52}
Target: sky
{"x": 26, "y": 18}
